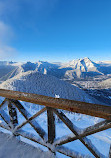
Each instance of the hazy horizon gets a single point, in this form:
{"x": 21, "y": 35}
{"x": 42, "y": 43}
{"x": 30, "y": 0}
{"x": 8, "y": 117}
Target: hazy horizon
{"x": 53, "y": 61}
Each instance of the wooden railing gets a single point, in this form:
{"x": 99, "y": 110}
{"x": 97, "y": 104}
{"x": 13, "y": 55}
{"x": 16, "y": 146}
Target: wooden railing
{"x": 53, "y": 106}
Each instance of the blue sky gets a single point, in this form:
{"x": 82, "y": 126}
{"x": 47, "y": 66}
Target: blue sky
{"x": 55, "y": 30}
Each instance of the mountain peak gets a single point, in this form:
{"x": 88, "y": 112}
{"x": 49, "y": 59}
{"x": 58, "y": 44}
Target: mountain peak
{"x": 81, "y": 60}
{"x": 86, "y": 58}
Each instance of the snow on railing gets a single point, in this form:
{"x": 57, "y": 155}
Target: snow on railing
{"x": 53, "y": 106}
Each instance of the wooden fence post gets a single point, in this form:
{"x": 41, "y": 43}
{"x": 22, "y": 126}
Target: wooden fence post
{"x": 13, "y": 115}
{"x": 51, "y": 125}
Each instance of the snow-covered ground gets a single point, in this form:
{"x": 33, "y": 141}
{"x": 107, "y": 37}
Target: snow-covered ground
{"x": 10, "y": 147}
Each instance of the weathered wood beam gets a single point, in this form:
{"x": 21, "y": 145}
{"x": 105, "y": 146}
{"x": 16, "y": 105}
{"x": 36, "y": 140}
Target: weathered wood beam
{"x": 59, "y": 103}
{"x": 30, "y": 119}
{"x": 27, "y": 115}
{"x": 85, "y": 141}
{"x": 51, "y": 125}
{"x": 96, "y": 126}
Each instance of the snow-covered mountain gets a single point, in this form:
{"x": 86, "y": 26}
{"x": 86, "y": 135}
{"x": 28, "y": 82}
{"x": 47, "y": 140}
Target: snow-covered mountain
{"x": 40, "y": 66}
{"x": 35, "y": 82}
{"x": 84, "y": 64}
{"x": 81, "y": 68}
{"x": 73, "y": 70}
{"x": 9, "y": 70}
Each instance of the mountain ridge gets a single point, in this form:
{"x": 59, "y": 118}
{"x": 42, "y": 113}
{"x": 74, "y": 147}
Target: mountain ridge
{"x": 83, "y": 68}
{"x": 35, "y": 82}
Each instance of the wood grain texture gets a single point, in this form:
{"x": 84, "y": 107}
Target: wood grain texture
{"x": 96, "y": 110}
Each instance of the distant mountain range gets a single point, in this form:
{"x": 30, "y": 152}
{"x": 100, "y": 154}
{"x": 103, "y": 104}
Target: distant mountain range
{"x": 73, "y": 70}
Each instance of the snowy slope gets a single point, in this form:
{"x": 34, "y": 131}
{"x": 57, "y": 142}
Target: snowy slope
{"x": 6, "y": 71}
{"x": 105, "y": 84}
{"x": 43, "y": 67}
{"x": 10, "y": 147}
{"x": 84, "y": 64}
{"x": 81, "y": 68}
{"x": 39, "y": 66}
{"x": 9, "y": 70}
{"x": 35, "y": 82}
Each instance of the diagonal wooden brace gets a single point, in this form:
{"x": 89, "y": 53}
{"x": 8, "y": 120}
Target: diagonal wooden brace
{"x": 84, "y": 140}
{"x": 27, "y": 115}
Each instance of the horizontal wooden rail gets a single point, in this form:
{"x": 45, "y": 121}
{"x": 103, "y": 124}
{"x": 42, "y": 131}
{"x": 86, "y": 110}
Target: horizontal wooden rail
{"x": 96, "y": 110}
{"x": 10, "y": 121}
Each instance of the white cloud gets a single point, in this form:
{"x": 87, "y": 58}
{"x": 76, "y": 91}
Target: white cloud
{"x": 7, "y": 52}
{"x": 6, "y": 34}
